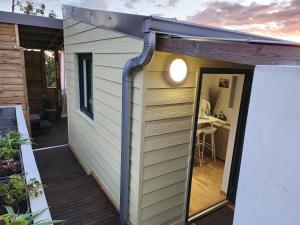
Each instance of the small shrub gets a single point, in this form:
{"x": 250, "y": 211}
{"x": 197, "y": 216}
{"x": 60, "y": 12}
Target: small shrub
{"x": 16, "y": 190}
{"x": 9, "y": 167}
{"x": 12, "y": 218}
{"x": 7, "y": 153}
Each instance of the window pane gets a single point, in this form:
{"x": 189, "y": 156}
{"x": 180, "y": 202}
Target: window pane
{"x": 50, "y": 69}
{"x": 85, "y": 83}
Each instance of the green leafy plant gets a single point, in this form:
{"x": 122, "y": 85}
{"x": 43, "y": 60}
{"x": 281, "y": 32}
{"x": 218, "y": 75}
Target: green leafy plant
{"x": 16, "y": 190}
{"x": 13, "y": 140}
{"x": 12, "y": 218}
{"x": 47, "y": 102}
{"x": 7, "y": 153}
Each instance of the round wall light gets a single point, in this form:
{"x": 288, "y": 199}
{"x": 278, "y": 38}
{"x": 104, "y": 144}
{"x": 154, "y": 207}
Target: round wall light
{"x": 178, "y": 71}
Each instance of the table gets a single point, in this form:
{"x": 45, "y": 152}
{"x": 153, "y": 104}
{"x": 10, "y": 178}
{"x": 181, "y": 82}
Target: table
{"x": 208, "y": 120}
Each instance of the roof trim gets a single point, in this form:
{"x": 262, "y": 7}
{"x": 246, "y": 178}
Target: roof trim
{"x": 37, "y": 21}
{"x": 137, "y": 25}
{"x": 129, "y": 24}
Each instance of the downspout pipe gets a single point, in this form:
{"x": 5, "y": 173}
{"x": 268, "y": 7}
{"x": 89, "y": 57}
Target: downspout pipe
{"x": 132, "y": 66}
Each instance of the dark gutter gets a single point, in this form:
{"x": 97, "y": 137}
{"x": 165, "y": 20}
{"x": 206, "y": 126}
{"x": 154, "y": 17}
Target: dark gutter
{"x": 37, "y": 21}
{"x": 129, "y": 71}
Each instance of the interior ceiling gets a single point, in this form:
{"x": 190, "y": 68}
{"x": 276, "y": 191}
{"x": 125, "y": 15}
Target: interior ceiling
{"x": 33, "y": 37}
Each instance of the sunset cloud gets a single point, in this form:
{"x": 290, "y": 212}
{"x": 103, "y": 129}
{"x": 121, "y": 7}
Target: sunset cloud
{"x": 276, "y": 19}
{"x": 130, "y": 3}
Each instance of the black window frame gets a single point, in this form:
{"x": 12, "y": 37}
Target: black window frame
{"x": 88, "y": 110}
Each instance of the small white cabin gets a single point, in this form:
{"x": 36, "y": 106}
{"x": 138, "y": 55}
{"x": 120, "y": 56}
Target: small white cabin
{"x": 179, "y": 122}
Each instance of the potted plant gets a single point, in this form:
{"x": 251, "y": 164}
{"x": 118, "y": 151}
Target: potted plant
{"x": 9, "y": 167}
{"x": 10, "y": 155}
{"x": 12, "y": 140}
{"x": 12, "y": 218}
{"x": 15, "y": 192}
{"x": 48, "y": 106}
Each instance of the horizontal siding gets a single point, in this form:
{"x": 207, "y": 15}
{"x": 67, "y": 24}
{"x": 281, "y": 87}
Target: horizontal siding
{"x": 13, "y": 89}
{"x": 169, "y": 113}
{"x": 7, "y": 35}
{"x": 98, "y": 142}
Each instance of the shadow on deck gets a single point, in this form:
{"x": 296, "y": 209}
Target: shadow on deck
{"x": 71, "y": 194}
{"x": 58, "y": 135}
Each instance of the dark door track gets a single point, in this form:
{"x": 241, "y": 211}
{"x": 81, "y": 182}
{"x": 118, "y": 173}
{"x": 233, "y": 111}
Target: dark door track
{"x": 72, "y": 195}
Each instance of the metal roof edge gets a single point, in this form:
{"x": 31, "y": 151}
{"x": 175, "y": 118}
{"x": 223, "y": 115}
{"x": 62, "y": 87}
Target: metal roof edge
{"x": 129, "y": 24}
{"x": 185, "y": 29}
{"x": 30, "y": 20}
{"x": 137, "y": 25}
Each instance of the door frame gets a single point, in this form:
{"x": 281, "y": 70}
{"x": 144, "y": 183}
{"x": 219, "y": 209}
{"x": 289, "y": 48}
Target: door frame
{"x": 239, "y": 138}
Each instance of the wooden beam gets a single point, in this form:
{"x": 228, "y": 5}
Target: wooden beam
{"x": 59, "y": 34}
{"x": 234, "y": 52}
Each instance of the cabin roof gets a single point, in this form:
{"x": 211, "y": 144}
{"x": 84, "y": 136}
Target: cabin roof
{"x": 137, "y": 25}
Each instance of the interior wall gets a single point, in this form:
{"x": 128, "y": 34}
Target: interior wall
{"x": 232, "y": 133}
{"x": 168, "y": 117}
{"x": 269, "y": 184}
{"x": 212, "y": 81}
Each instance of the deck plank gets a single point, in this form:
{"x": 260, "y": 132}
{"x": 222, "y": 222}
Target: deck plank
{"x": 71, "y": 194}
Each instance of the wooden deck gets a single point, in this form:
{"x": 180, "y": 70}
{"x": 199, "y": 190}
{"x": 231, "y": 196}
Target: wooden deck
{"x": 71, "y": 194}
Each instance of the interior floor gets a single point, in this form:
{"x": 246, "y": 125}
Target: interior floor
{"x": 206, "y": 185}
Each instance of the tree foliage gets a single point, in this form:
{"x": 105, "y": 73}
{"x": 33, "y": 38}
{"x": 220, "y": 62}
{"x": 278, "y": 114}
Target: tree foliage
{"x": 50, "y": 69}
{"x": 30, "y": 8}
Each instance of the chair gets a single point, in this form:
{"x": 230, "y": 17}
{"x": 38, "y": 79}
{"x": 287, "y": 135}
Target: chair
{"x": 210, "y": 130}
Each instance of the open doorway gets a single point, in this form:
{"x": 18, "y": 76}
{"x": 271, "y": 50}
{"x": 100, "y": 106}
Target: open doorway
{"x": 46, "y": 97}
{"x": 221, "y": 110}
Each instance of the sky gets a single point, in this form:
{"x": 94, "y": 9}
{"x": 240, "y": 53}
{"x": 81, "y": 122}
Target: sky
{"x": 276, "y": 18}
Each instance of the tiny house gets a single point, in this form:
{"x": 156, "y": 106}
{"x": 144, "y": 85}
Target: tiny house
{"x": 177, "y": 121}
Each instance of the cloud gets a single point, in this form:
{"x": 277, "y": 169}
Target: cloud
{"x": 172, "y": 3}
{"x": 92, "y": 4}
{"x": 275, "y": 19}
{"x": 130, "y": 3}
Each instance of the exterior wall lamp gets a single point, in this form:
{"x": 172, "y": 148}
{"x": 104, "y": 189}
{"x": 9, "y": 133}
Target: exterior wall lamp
{"x": 177, "y": 71}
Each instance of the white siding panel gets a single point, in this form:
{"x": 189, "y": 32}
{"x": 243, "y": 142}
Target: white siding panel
{"x": 162, "y": 194}
{"x": 158, "y": 80}
{"x": 166, "y": 217}
{"x": 164, "y": 180}
{"x": 167, "y": 140}
{"x": 98, "y": 142}
{"x": 165, "y": 154}
{"x": 168, "y": 114}
{"x": 69, "y": 22}
{"x": 167, "y": 125}
{"x": 161, "y": 207}
{"x": 169, "y": 96}
{"x": 93, "y": 34}
{"x": 164, "y": 168}
{"x": 129, "y": 45}
{"x": 168, "y": 111}
{"x": 77, "y": 28}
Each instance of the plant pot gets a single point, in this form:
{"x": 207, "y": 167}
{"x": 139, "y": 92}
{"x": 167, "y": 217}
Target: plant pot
{"x": 50, "y": 114}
